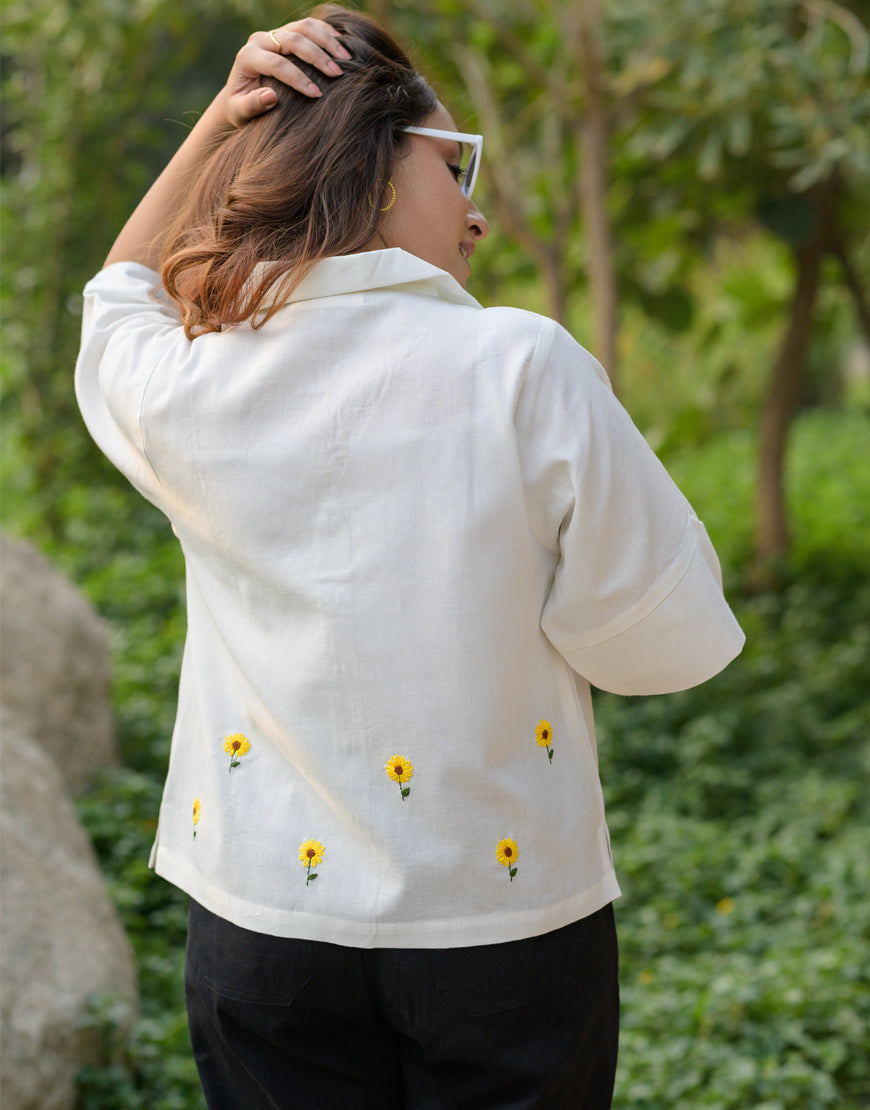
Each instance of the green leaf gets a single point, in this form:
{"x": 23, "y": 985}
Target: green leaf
{"x": 710, "y": 157}
{"x": 406, "y": 791}
{"x": 790, "y": 217}
{"x": 739, "y": 134}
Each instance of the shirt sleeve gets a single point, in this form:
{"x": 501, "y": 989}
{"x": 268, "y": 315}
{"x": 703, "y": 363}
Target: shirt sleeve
{"x": 127, "y": 328}
{"x": 636, "y": 603}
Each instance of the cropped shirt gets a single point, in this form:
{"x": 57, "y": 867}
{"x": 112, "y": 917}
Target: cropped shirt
{"x": 415, "y": 532}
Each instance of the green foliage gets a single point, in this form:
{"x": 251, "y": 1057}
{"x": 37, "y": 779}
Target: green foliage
{"x": 684, "y": 389}
{"x": 827, "y": 479}
{"x": 738, "y": 817}
{"x": 731, "y": 114}
{"x": 684, "y": 385}
{"x": 147, "y": 1063}
{"x": 781, "y": 88}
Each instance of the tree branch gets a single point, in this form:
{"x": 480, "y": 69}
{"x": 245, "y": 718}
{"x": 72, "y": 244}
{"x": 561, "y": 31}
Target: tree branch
{"x": 853, "y": 284}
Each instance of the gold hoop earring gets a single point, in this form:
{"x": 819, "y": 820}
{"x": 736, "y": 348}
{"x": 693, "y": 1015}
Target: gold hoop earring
{"x": 392, "y": 200}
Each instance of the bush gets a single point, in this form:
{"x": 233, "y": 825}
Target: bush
{"x": 738, "y": 818}
{"x": 147, "y": 1064}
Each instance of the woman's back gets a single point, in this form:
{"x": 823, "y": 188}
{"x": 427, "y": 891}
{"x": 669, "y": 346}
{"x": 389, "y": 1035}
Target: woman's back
{"x": 374, "y": 493}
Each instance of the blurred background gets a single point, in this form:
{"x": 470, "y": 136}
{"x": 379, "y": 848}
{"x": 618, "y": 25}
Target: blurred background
{"x": 685, "y": 184}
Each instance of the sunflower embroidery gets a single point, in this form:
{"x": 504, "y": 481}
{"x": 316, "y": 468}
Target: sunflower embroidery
{"x": 506, "y": 852}
{"x": 236, "y": 746}
{"x": 400, "y": 770}
{"x": 197, "y": 810}
{"x": 544, "y": 737}
{"x": 311, "y": 854}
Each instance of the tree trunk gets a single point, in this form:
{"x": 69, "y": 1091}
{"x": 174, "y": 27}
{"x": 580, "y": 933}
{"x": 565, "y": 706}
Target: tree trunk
{"x": 553, "y": 272}
{"x": 771, "y": 515}
{"x": 771, "y": 519}
{"x": 594, "y": 144}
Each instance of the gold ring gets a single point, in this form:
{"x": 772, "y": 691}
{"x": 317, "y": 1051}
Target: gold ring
{"x": 274, "y": 39}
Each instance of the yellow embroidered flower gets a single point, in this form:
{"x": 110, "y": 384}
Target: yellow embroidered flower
{"x": 235, "y": 746}
{"x": 506, "y": 852}
{"x": 544, "y": 737}
{"x": 311, "y": 854}
{"x": 197, "y": 810}
{"x": 400, "y": 770}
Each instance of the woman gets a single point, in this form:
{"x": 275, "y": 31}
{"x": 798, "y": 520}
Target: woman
{"x": 415, "y": 530}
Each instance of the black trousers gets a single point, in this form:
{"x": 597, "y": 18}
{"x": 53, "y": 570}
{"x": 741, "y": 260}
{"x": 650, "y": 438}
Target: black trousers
{"x": 303, "y": 1025}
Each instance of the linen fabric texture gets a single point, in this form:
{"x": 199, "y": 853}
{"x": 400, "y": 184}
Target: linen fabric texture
{"x": 415, "y": 528}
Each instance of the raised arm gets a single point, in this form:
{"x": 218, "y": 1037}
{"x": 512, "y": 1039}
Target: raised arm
{"x": 240, "y": 100}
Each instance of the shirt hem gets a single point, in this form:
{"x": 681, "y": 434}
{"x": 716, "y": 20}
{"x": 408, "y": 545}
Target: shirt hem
{"x": 452, "y": 932}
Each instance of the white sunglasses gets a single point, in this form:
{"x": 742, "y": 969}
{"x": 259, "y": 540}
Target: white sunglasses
{"x": 470, "y": 147}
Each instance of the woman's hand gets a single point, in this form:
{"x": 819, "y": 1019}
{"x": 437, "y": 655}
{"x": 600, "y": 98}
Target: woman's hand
{"x": 241, "y": 99}
{"x": 263, "y": 55}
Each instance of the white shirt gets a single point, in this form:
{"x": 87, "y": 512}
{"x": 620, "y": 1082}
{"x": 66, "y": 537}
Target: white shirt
{"x": 413, "y": 528}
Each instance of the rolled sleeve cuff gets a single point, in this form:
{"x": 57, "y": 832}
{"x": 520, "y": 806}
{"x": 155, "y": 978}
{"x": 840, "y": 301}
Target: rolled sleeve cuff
{"x": 688, "y": 637}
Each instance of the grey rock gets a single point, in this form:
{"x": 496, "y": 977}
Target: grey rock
{"x": 55, "y": 673}
{"x": 62, "y": 940}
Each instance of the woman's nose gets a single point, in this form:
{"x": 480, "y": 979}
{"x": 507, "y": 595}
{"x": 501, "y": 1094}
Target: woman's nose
{"x": 476, "y": 222}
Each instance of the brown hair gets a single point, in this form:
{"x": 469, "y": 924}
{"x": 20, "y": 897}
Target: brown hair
{"x": 299, "y": 183}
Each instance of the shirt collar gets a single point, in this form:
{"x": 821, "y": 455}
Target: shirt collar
{"x": 387, "y": 269}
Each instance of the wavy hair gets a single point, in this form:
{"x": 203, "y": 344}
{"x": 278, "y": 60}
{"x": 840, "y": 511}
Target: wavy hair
{"x": 294, "y": 185}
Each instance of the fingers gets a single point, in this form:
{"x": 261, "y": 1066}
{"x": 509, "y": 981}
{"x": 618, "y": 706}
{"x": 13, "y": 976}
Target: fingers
{"x": 254, "y": 104}
{"x": 313, "y": 41}
{"x": 266, "y": 55}
{"x": 310, "y": 39}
